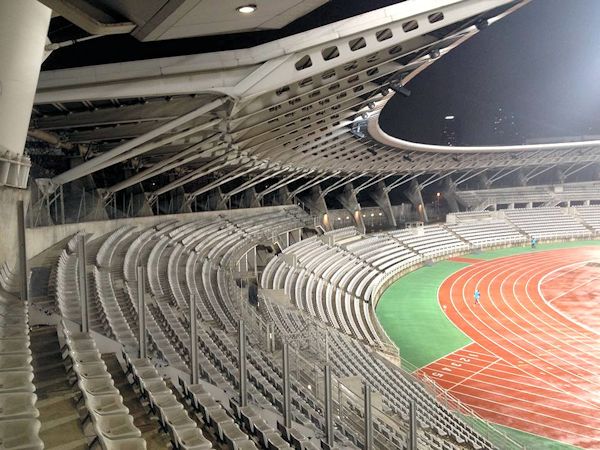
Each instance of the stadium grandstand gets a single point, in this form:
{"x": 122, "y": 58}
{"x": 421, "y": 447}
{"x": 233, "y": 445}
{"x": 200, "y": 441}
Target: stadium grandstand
{"x": 209, "y": 241}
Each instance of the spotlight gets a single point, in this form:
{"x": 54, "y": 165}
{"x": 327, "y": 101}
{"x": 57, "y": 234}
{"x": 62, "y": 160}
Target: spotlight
{"x": 434, "y": 54}
{"x": 246, "y": 9}
{"x": 398, "y": 88}
{"x": 482, "y": 24}
{"x": 371, "y": 105}
{"x": 407, "y": 158}
{"x": 364, "y": 116}
{"x": 384, "y": 92}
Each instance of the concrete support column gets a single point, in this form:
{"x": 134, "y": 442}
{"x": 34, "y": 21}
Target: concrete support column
{"x": 215, "y": 200}
{"x": 450, "y": 194}
{"x": 350, "y": 203}
{"x": 382, "y": 198}
{"x": 249, "y": 199}
{"x": 415, "y": 197}
{"x": 283, "y": 196}
{"x": 23, "y": 30}
{"x": 317, "y": 206}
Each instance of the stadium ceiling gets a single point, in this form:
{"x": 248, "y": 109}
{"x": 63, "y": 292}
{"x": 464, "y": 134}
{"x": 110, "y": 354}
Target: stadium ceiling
{"x": 154, "y": 20}
{"x": 302, "y": 108}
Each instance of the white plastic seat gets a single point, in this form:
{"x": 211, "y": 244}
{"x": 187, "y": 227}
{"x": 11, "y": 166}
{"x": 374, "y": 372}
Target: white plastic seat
{"x": 14, "y": 346}
{"x": 177, "y": 419}
{"x": 83, "y": 345}
{"x": 17, "y": 312}
{"x": 15, "y": 320}
{"x": 91, "y": 371}
{"x": 191, "y": 439}
{"x": 20, "y": 434}
{"x": 18, "y": 381}
{"x": 98, "y": 386}
{"x": 166, "y": 401}
{"x": 18, "y": 406}
{"x": 117, "y": 426}
{"x": 14, "y": 331}
{"x": 11, "y": 363}
{"x": 87, "y": 357}
{"x": 102, "y": 405}
{"x": 124, "y": 444}
{"x": 244, "y": 445}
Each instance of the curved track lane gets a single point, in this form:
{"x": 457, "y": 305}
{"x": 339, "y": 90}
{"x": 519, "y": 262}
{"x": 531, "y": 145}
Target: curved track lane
{"x": 535, "y": 363}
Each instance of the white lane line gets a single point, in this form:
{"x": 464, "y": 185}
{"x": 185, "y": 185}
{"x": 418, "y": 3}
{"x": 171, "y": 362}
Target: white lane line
{"x": 469, "y": 273}
{"x": 540, "y": 402}
{"x": 473, "y": 374}
{"x": 535, "y": 414}
{"x": 571, "y": 290}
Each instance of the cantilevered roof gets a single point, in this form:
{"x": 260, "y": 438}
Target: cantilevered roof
{"x": 302, "y": 107}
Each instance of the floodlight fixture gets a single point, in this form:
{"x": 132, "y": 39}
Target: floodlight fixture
{"x": 398, "y": 88}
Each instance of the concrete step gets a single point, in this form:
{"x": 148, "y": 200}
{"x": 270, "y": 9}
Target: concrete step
{"x": 61, "y": 427}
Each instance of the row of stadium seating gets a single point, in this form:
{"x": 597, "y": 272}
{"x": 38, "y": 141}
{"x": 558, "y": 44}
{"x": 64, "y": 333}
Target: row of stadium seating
{"x": 180, "y": 259}
{"x": 334, "y": 277}
{"x": 19, "y": 424}
{"x": 547, "y": 195}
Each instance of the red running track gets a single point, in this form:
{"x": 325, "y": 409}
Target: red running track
{"x": 534, "y": 363}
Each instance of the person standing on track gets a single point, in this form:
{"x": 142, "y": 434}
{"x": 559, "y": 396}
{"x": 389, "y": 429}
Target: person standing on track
{"x": 477, "y": 296}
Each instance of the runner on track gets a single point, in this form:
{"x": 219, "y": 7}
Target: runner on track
{"x": 477, "y": 296}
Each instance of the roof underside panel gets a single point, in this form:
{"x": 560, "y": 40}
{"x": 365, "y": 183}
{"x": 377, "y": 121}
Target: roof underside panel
{"x": 294, "y": 105}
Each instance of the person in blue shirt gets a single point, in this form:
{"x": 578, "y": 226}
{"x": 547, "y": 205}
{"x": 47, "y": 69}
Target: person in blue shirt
{"x": 533, "y": 242}
{"x": 477, "y": 296}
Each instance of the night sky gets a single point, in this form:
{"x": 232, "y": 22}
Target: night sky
{"x": 540, "y": 64}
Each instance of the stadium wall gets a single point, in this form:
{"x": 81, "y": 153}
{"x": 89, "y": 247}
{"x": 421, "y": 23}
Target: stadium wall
{"x": 39, "y": 239}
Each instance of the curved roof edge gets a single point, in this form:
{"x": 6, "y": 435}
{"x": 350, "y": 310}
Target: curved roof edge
{"x": 381, "y": 136}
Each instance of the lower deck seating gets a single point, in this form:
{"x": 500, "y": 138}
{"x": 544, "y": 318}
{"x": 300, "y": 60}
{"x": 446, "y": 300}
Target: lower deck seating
{"x": 547, "y": 223}
{"x": 333, "y": 280}
{"x": 19, "y": 424}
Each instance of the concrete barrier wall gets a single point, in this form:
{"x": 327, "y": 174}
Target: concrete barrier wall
{"x": 39, "y": 239}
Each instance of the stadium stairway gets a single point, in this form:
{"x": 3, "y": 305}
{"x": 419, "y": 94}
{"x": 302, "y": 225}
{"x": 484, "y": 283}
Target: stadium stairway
{"x": 58, "y": 415}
